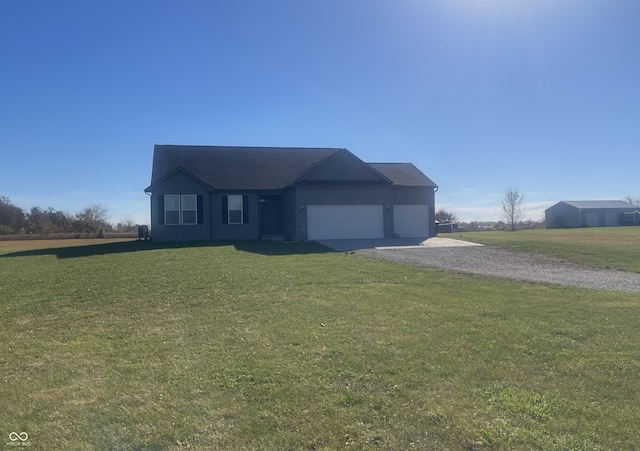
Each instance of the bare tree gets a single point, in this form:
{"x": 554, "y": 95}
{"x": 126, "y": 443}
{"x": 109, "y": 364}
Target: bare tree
{"x": 512, "y": 210}
{"x": 633, "y": 200}
{"x": 128, "y": 223}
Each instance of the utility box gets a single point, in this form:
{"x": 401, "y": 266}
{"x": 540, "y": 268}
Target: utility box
{"x": 143, "y": 232}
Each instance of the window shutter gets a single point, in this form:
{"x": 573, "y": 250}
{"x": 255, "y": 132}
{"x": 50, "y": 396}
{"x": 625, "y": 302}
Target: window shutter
{"x": 225, "y": 210}
{"x": 200, "y": 209}
{"x": 161, "y": 210}
{"x": 245, "y": 209}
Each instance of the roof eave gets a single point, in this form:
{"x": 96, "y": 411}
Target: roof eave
{"x": 149, "y": 189}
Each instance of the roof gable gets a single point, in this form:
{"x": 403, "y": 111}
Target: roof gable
{"x": 403, "y": 174}
{"x": 177, "y": 170}
{"x": 343, "y": 167}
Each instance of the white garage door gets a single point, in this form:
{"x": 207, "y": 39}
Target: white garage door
{"x": 332, "y": 222}
{"x": 411, "y": 221}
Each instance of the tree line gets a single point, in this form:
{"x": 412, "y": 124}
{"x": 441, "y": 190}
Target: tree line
{"x": 93, "y": 219}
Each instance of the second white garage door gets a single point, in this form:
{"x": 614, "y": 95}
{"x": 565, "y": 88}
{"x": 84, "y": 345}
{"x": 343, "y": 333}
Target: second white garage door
{"x": 334, "y": 222}
{"x": 411, "y": 221}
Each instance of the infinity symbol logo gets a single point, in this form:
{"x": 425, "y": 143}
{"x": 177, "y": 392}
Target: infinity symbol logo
{"x": 14, "y": 436}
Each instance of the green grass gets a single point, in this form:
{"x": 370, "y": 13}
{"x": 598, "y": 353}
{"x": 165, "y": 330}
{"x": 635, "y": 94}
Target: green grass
{"x": 602, "y": 247}
{"x": 260, "y": 345}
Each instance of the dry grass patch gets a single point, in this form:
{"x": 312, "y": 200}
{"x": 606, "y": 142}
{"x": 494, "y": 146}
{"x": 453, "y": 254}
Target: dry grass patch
{"x": 22, "y": 245}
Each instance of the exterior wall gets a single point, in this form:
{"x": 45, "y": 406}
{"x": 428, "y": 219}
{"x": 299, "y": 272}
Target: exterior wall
{"x": 611, "y": 219}
{"x": 179, "y": 183}
{"x": 562, "y": 215}
{"x": 290, "y": 215}
{"x": 387, "y": 196}
{"x": 403, "y": 195}
{"x": 341, "y": 195}
{"x": 590, "y": 218}
{"x": 294, "y": 204}
{"x": 221, "y": 231}
{"x": 600, "y": 217}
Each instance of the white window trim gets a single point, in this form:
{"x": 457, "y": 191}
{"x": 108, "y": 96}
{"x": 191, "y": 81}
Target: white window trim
{"x": 229, "y": 210}
{"x": 166, "y": 222}
{"x": 195, "y": 209}
{"x": 180, "y": 210}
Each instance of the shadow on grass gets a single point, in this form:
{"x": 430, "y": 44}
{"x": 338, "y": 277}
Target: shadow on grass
{"x": 257, "y": 247}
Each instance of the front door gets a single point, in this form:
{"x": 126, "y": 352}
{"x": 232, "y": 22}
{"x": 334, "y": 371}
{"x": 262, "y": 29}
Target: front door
{"x": 270, "y": 215}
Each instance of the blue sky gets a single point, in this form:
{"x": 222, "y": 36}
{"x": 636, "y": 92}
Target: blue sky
{"x": 480, "y": 95}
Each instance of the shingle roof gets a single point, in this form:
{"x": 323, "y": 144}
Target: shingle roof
{"x": 238, "y": 168}
{"x": 405, "y": 174}
{"x": 263, "y": 168}
{"x": 598, "y": 203}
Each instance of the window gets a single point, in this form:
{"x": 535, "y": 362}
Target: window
{"x": 171, "y": 209}
{"x": 181, "y": 209}
{"x": 234, "y": 203}
{"x": 235, "y": 209}
{"x": 189, "y": 209}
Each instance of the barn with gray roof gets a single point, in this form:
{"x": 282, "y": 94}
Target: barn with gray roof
{"x": 591, "y": 213}
{"x": 217, "y": 192}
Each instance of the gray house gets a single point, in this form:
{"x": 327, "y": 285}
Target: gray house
{"x": 214, "y": 193}
{"x": 590, "y": 213}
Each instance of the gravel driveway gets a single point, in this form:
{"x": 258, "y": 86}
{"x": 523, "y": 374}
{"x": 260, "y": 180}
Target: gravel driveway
{"x": 500, "y": 263}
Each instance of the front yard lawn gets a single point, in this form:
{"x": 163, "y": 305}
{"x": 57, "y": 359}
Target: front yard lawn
{"x": 261, "y": 345}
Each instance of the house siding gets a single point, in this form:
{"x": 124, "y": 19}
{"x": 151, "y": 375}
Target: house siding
{"x": 408, "y": 195}
{"x": 294, "y": 225}
{"x": 222, "y": 231}
{"x": 387, "y": 196}
{"x": 179, "y": 183}
{"x": 290, "y": 215}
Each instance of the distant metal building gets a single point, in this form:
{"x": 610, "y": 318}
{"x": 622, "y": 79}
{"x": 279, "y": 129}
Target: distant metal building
{"x": 446, "y": 227}
{"x": 590, "y": 213}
